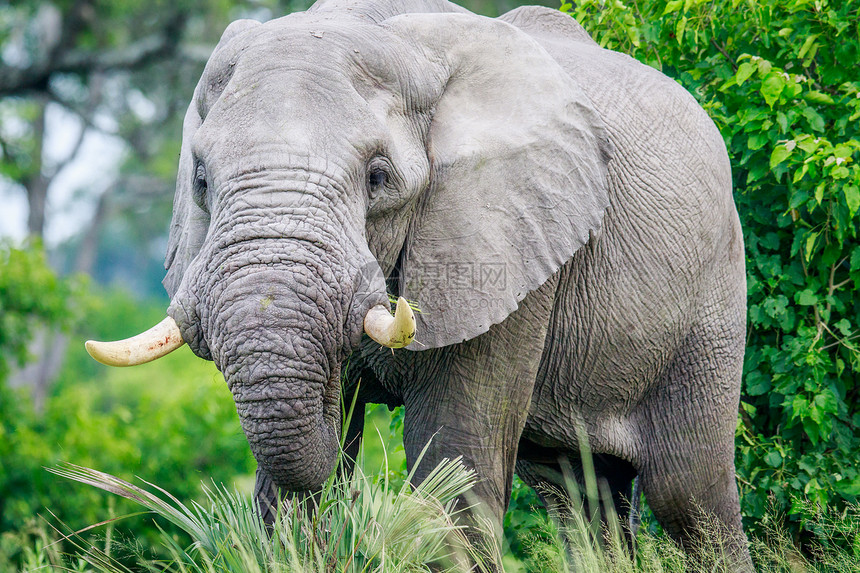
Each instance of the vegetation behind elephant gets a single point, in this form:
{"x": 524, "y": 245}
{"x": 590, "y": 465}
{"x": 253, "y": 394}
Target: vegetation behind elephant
{"x": 561, "y": 214}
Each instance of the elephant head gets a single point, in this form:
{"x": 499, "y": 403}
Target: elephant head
{"x": 328, "y": 152}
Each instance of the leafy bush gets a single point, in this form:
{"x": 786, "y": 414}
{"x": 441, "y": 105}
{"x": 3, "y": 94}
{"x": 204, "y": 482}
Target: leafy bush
{"x": 174, "y": 422}
{"x": 780, "y": 80}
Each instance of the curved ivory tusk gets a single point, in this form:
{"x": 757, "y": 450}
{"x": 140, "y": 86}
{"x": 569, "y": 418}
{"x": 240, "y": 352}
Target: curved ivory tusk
{"x": 392, "y": 331}
{"x": 158, "y": 341}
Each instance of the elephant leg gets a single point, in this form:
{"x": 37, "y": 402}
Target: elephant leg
{"x": 613, "y": 476}
{"x": 472, "y": 399}
{"x": 546, "y": 479}
{"x": 688, "y": 471}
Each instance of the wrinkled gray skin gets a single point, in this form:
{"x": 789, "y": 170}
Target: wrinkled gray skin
{"x": 562, "y": 215}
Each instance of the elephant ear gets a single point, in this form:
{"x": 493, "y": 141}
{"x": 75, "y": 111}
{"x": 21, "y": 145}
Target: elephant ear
{"x": 190, "y": 223}
{"x": 518, "y": 179}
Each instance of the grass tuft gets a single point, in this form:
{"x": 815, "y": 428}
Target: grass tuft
{"x": 356, "y": 523}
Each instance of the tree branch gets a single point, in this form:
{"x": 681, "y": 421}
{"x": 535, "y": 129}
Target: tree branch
{"x": 15, "y": 80}
{"x": 95, "y": 93}
{"x": 722, "y": 50}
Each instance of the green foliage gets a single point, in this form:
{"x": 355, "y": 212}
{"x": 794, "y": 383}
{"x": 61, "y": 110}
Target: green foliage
{"x": 31, "y": 294}
{"x": 780, "y": 80}
{"x": 175, "y": 423}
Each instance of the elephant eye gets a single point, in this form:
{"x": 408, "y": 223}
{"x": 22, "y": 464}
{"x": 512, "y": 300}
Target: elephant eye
{"x": 200, "y": 187}
{"x": 376, "y": 179}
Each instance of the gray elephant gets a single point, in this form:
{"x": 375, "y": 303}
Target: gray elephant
{"x": 561, "y": 214}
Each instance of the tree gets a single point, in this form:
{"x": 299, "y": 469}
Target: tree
{"x": 84, "y": 57}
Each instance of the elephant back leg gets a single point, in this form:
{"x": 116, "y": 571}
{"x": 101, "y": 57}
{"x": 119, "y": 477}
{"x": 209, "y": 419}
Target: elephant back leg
{"x": 688, "y": 425}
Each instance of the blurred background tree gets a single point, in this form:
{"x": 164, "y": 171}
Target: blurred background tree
{"x": 87, "y": 75}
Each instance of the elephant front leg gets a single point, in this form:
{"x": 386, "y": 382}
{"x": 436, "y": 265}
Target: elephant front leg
{"x": 472, "y": 399}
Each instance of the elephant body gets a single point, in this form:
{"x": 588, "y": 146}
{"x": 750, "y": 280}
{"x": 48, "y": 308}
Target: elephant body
{"x": 636, "y": 342}
{"x": 561, "y": 213}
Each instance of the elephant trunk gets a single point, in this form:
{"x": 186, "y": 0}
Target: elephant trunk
{"x": 275, "y": 332}
{"x": 291, "y": 421}
{"x": 279, "y": 316}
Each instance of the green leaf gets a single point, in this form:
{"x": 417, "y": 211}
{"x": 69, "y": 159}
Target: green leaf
{"x": 840, "y": 172}
{"x": 764, "y": 66}
{"x": 815, "y": 120}
{"x": 819, "y": 193}
{"x": 849, "y": 487}
{"x": 843, "y": 326}
{"x": 844, "y": 151}
{"x": 806, "y": 298}
{"x": 818, "y": 97}
{"x": 771, "y": 87}
{"x": 813, "y": 431}
{"x": 808, "y": 143}
{"x": 770, "y": 241}
{"x": 852, "y": 199}
{"x": 807, "y": 44}
{"x": 744, "y": 72}
{"x": 799, "y": 173}
{"x": 810, "y": 245}
{"x": 757, "y": 384}
{"x": 826, "y": 401}
{"x": 680, "y": 26}
{"x": 773, "y": 459}
{"x": 782, "y": 121}
{"x": 758, "y": 140}
{"x": 780, "y": 153}
{"x": 672, "y": 6}
{"x": 855, "y": 259}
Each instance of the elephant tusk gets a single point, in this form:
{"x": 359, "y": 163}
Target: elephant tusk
{"x": 392, "y": 331}
{"x": 158, "y": 341}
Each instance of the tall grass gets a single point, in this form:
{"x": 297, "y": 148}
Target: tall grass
{"x": 356, "y": 523}
{"x": 579, "y": 539}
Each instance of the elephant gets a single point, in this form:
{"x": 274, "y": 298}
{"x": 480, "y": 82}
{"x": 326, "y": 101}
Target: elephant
{"x": 561, "y": 214}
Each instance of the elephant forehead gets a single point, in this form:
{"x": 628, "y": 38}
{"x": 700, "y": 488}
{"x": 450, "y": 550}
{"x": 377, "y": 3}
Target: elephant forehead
{"x": 316, "y": 54}
{"x": 287, "y": 112}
